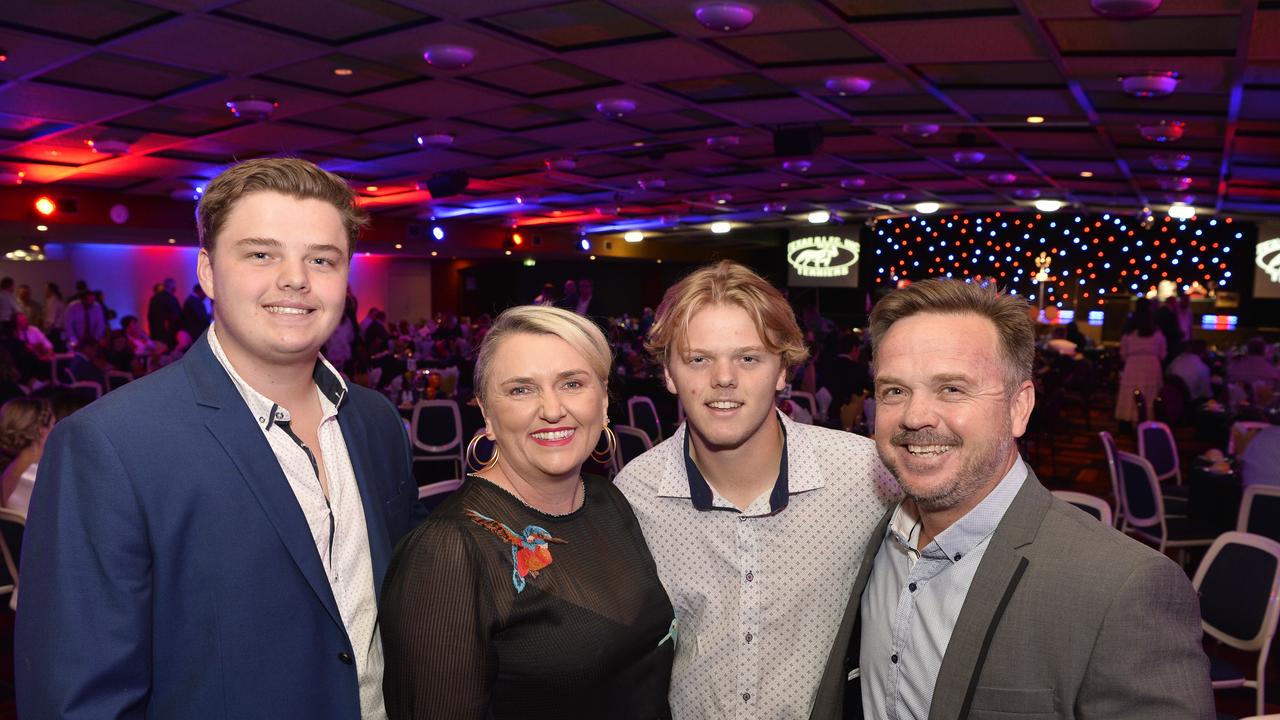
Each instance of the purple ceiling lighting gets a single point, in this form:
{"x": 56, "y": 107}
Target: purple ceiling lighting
{"x": 968, "y": 157}
{"x": 651, "y": 183}
{"x": 720, "y": 142}
{"x": 561, "y": 163}
{"x": 449, "y": 57}
{"x": 1026, "y": 193}
{"x": 776, "y": 206}
{"x": 1184, "y": 198}
{"x": 721, "y": 198}
{"x": 1002, "y": 178}
{"x": 1163, "y": 131}
{"x": 725, "y": 16}
{"x": 252, "y": 107}
{"x": 894, "y": 196}
{"x": 434, "y": 138}
{"x": 796, "y": 166}
{"x": 1124, "y": 9}
{"x": 1170, "y": 162}
{"x": 848, "y": 84}
{"x": 1174, "y": 184}
{"x": 853, "y": 183}
{"x": 921, "y": 130}
{"x": 615, "y": 108}
{"x": 1150, "y": 84}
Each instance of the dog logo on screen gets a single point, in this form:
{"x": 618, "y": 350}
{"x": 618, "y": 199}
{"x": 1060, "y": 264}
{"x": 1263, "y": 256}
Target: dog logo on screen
{"x": 822, "y": 256}
{"x": 1268, "y": 258}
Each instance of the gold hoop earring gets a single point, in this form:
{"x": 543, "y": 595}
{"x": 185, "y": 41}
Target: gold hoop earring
{"x": 473, "y": 461}
{"x": 611, "y": 446}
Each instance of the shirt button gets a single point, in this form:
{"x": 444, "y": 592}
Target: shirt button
{"x": 345, "y": 657}
{"x": 746, "y": 697}
{"x": 894, "y": 658}
{"x": 750, "y": 637}
{"x": 912, "y": 587}
{"x": 750, "y": 576}
{"x": 958, "y": 556}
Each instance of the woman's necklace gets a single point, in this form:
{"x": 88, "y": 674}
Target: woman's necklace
{"x": 573, "y": 507}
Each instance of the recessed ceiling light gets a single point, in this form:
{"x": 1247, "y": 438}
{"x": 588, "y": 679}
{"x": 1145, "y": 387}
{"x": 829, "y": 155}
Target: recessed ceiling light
{"x": 927, "y": 208}
{"x": 633, "y": 236}
{"x": 1002, "y": 178}
{"x": 1127, "y": 9}
{"x": 725, "y": 16}
{"x": 921, "y": 130}
{"x": 853, "y": 183}
{"x": 1150, "y": 84}
{"x": 1170, "y": 161}
{"x": 173, "y": 241}
{"x": 434, "y": 253}
{"x": 343, "y": 71}
{"x": 1086, "y": 173}
{"x": 1163, "y": 131}
{"x": 371, "y": 188}
{"x": 818, "y": 217}
{"x": 614, "y": 108}
{"x": 399, "y": 246}
{"x": 508, "y": 252}
{"x": 720, "y": 227}
{"x": 434, "y": 138}
{"x": 4, "y": 56}
{"x": 968, "y": 157}
{"x": 638, "y": 143}
{"x": 1048, "y": 205}
{"x": 1180, "y": 211}
{"x": 449, "y": 57}
{"x": 252, "y": 107}
{"x": 848, "y": 84}
{"x": 42, "y": 228}
{"x": 1035, "y": 119}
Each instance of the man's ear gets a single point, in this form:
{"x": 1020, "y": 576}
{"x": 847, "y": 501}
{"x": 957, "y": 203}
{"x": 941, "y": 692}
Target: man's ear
{"x": 671, "y": 384}
{"x": 204, "y": 272}
{"x": 1020, "y": 407}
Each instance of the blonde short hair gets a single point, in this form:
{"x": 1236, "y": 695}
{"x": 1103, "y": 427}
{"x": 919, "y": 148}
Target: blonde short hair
{"x": 21, "y": 420}
{"x": 727, "y": 283}
{"x": 1008, "y": 313}
{"x": 581, "y": 334}
{"x": 292, "y": 177}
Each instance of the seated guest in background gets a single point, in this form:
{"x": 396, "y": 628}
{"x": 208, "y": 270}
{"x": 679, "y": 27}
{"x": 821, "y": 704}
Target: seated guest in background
{"x": 1190, "y": 367}
{"x": 988, "y": 597}
{"x": 31, "y": 336}
{"x": 1253, "y": 365}
{"x": 530, "y": 593}
{"x": 119, "y": 353}
{"x": 1260, "y": 461}
{"x": 206, "y": 542}
{"x": 138, "y": 340}
{"x": 24, "y": 425}
{"x": 752, "y": 518}
{"x": 89, "y": 363}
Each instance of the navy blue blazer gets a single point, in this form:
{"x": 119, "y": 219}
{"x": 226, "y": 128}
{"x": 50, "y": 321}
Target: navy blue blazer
{"x": 168, "y": 570}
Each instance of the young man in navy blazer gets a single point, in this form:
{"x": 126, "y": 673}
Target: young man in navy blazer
{"x": 209, "y": 541}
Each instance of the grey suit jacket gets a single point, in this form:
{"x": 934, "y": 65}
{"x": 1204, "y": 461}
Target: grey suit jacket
{"x": 1066, "y": 618}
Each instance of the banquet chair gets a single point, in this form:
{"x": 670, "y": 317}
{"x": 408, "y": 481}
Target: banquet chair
{"x": 432, "y": 494}
{"x": 632, "y": 443}
{"x": 1238, "y": 583}
{"x": 810, "y": 403}
{"x": 1144, "y": 509}
{"x": 1109, "y": 450}
{"x": 117, "y": 379}
{"x": 1091, "y": 504}
{"x": 437, "y": 433}
{"x": 1260, "y": 511}
{"x": 12, "y": 526}
{"x": 58, "y": 366}
{"x": 87, "y": 388}
{"x": 1156, "y": 444}
{"x": 642, "y": 414}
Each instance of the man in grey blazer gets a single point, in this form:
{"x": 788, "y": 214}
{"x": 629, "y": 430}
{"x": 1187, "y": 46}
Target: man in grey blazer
{"x": 981, "y": 595}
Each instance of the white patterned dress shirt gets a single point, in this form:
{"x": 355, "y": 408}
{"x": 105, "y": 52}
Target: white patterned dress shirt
{"x": 337, "y": 521}
{"x": 758, "y": 594}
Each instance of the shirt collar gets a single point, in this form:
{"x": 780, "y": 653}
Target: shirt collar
{"x": 329, "y": 382}
{"x": 703, "y": 497}
{"x": 969, "y": 531}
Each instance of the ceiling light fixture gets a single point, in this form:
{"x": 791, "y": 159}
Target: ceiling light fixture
{"x": 449, "y": 57}
{"x": 1124, "y": 9}
{"x": 1163, "y": 131}
{"x": 1035, "y": 119}
{"x": 1156, "y": 84}
{"x": 1005, "y": 178}
{"x": 434, "y": 138}
{"x": 818, "y": 217}
{"x": 252, "y": 107}
{"x": 1026, "y": 193}
{"x": 1049, "y": 205}
{"x": 371, "y": 188}
{"x": 108, "y": 146}
{"x": 721, "y": 142}
{"x": 796, "y": 166}
{"x": 651, "y": 183}
{"x": 1181, "y": 211}
{"x": 45, "y": 205}
{"x": 633, "y": 236}
{"x": 343, "y": 71}
{"x": 1170, "y": 162}
{"x": 927, "y": 208}
{"x": 921, "y": 130}
{"x": 616, "y": 108}
{"x": 775, "y": 206}
{"x": 894, "y": 196}
{"x": 968, "y": 157}
{"x": 848, "y": 84}
{"x": 720, "y": 227}
{"x": 4, "y": 56}
{"x": 853, "y": 183}
{"x": 561, "y": 163}
{"x": 1177, "y": 183}
{"x": 1086, "y": 173}
{"x": 42, "y": 228}
{"x": 725, "y": 16}
{"x": 721, "y": 198}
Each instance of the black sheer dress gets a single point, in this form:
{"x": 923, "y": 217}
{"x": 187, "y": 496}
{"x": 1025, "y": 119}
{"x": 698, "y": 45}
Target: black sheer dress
{"x": 492, "y": 609}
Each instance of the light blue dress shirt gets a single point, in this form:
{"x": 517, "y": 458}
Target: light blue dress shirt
{"x": 913, "y": 598}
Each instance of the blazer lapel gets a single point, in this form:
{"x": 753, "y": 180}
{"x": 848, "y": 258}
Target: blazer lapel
{"x": 995, "y": 581}
{"x": 845, "y": 649}
{"x": 242, "y": 440}
{"x": 354, "y": 433}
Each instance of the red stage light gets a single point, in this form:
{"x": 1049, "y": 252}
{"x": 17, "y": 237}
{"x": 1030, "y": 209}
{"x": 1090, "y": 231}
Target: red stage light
{"x": 45, "y": 205}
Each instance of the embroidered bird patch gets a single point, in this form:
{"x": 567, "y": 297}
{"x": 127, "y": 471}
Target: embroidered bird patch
{"x": 530, "y": 551}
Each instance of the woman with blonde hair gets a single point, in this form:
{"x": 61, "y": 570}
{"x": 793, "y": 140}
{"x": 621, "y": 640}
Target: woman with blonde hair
{"x": 24, "y": 425}
{"x": 530, "y": 592}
